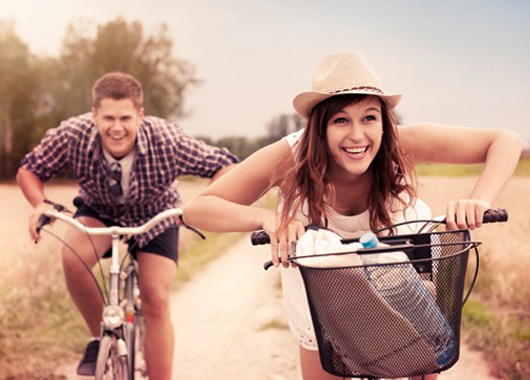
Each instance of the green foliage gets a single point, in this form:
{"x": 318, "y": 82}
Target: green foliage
{"x": 37, "y": 93}
{"x": 283, "y": 125}
{"x": 504, "y": 336}
{"x": 39, "y": 325}
{"x": 243, "y": 147}
{"x": 122, "y": 46}
{"x": 18, "y": 94}
{"x": 41, "y": 329}
{"x": 448, "y": 170}
{"x": 274, "y": 323}
{"x": 524, "y": 167}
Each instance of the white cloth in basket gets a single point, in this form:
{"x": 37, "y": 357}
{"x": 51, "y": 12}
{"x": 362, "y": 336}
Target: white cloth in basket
{"x": 397, "y": 299}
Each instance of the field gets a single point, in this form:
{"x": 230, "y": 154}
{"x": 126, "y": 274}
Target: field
{"x": 39, "y": 326}
{"x": 497, "y": 317}
{"x": 35, "y": 308}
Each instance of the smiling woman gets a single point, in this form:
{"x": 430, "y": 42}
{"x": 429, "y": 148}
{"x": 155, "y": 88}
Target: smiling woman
{"x": 351, "y": 170}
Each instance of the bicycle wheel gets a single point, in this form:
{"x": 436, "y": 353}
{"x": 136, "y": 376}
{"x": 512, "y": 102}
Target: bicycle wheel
{"x": 130, "y": 332}
{"x": 134, "y": 328}
{"x": 140, "y": 367}
{"x": 110, "y": 365}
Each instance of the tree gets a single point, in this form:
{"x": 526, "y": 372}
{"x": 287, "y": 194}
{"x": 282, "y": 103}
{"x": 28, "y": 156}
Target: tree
{"x": 18, "y": 91}
{"x": 277, "y": 128}
{"x": 283, "y": 125}
{"x": 121, "y": 46}
{"x": 37, "y": 93}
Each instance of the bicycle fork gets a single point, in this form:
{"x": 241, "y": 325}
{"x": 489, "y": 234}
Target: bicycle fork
{"x": 113, "y": 314}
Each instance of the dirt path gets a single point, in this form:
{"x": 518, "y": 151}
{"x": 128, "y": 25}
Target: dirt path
{"x": 219, "y": 318}
{"x": 228, "y": 320}
{"x": 229, "y": 325}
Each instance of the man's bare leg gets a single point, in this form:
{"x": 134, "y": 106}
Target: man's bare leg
{"x": 157, "y": 274}
{"x": 81, "y": 286}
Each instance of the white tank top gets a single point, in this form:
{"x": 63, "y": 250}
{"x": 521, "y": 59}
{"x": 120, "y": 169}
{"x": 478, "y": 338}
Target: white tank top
{"x": 348, "y": 226}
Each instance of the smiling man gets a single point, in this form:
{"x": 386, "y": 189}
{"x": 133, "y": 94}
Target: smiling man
{"x": 126, "y": 166}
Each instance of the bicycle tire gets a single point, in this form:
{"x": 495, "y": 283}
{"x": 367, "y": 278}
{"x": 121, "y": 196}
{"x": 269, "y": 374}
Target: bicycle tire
{"x": 109, "y": 365}
{"x": 130, "y": 340}
{"x": 129, "y": 328}
{"x": 140, "y": 369}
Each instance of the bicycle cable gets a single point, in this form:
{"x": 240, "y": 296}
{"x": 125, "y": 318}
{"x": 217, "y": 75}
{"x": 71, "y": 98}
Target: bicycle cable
{"x": 82, "y": 261}
{"x": 100, "y": 268}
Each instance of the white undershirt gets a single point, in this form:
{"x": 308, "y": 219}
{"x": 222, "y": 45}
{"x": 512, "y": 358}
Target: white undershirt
{"x": 348, "y": 226}
{"x": 126, "y": 167}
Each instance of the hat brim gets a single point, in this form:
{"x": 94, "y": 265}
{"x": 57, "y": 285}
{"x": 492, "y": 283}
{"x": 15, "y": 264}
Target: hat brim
{"x": 304, "y": 102}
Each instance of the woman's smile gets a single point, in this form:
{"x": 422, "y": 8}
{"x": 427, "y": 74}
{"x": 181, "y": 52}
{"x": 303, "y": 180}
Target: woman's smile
{"x": 356, "y": 153}
{"x": 354, "y": 136}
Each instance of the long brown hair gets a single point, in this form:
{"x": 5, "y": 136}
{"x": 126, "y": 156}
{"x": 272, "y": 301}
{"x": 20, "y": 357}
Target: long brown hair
{"x": 304, "y": 185}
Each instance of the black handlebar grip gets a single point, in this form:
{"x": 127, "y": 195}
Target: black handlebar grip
{"x": 495, "y": 216}
{"x": 260, "y": 238}
{"x": 43, "y": 221}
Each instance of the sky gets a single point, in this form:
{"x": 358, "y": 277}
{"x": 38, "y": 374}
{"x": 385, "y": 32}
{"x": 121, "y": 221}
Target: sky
{"x": 455, "y": 62}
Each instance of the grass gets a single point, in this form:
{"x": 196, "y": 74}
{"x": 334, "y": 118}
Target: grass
{"x": 447, "y": 170}
{"x": 498, "y": 327}
{"x": 524, "y": 167}
{"x": 40, "y": 328}
{"x": 504, "y": 337}
{"x": 274, "y": 323}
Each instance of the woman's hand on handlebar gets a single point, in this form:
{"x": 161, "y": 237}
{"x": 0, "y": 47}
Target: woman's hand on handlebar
{"x": 465, "y": 214}
{"x": 282, "y": 242}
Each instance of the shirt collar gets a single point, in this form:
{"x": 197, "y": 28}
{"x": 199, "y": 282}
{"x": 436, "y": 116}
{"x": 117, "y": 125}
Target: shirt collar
{"x": 141, "y": 139}
{"x": 110, "y": 159}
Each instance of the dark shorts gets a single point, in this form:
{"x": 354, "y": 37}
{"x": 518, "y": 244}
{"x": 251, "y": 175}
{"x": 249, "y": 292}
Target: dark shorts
{"x": 166, "y": 244}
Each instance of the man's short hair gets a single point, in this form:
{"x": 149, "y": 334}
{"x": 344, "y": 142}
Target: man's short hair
{"x": 117, "y": 85}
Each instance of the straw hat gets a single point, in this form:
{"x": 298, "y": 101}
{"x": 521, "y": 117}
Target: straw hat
{"x": 339, "y": 74}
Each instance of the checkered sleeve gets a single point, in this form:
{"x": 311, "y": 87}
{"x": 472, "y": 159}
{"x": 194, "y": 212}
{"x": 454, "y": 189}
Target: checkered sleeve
{"x": 195, "y": 157}
{"x": 49, "y": 158}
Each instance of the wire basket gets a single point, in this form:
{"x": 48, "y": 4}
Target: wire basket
{"x": 394, "y": 319}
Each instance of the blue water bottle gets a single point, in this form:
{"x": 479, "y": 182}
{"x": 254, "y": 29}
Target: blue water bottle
{"x": 402, "y": 288}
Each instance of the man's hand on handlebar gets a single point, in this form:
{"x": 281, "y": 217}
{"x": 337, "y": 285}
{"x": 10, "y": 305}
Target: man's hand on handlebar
{"x": 34, "y": 218}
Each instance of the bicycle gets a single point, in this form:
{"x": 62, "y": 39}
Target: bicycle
{"x": 121, "y": 352}
{"x": 395, "y": 319}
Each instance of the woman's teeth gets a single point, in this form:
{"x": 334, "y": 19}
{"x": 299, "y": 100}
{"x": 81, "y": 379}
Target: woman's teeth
{"x": 355, "y": 150}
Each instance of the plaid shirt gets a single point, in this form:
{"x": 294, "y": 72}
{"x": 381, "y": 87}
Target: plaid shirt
{"x": 163, "y": 153}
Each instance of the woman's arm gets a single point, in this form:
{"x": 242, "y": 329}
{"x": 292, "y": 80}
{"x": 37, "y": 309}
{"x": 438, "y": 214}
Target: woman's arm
{"x": 498, "y": 149}
{"x": 226, "y": 204}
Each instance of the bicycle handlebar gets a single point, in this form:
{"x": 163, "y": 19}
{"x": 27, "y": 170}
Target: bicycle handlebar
{"x": 490, "y": 216}
{"x": 47, "y": 217}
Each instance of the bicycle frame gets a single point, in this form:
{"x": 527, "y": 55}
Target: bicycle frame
{"x": 116, "y": 318}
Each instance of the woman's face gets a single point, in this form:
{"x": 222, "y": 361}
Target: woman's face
{"x": 354, "y": 137}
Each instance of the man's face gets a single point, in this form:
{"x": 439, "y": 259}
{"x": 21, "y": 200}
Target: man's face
{"x": 117, "y": 122}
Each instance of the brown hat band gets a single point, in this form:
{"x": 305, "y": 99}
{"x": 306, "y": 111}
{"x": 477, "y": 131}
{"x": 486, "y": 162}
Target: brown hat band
{"x": 369, "y": 88}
